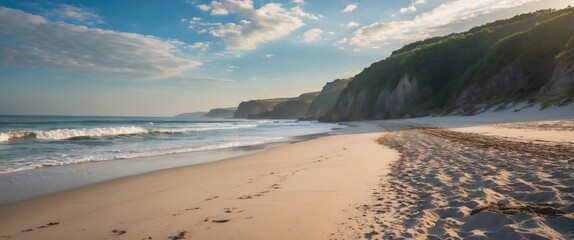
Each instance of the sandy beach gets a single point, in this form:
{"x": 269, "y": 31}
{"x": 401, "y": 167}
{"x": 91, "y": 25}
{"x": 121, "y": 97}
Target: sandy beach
{"x": 295, "y": 191}
{"x": 431, "y": 178}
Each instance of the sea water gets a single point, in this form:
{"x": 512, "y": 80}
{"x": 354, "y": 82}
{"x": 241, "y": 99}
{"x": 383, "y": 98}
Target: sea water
{"x": 43, "y": 154}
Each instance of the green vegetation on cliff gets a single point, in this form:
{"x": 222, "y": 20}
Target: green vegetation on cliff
{"x": 508, "y": 57}
{"x": 276, "y": 108}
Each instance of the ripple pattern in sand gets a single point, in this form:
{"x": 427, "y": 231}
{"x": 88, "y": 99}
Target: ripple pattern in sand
{"x": 453, "y": 185}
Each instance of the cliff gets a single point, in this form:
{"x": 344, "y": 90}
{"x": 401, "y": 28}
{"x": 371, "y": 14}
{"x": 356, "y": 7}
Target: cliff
{"x": 250, "y": 109}
{"x": 326, "y": 99}
{"x": 293, "y": 109}
{"x": 221, "y": 113}
{"x": 525, "y": 58}
{"x": 563, "y": 76}
{"x": 276, "y": 108}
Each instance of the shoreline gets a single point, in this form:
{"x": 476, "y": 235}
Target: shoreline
{"x": 50, "y": 180}
{"x": 325, "y": 188}
{"x": 294, "y": 185}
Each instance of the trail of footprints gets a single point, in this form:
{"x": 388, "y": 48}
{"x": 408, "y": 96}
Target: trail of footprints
{"x": 230, "y": 214}
{"x": 227, "y": 213}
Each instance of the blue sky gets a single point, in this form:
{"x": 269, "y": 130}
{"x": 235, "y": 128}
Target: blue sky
{"x": 160, "y": 58}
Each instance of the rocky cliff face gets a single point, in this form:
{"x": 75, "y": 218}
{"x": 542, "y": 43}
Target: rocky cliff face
{"x": 505, "y": 83}
{"x": 406, "y": 96}
{"x": 326, "y": 99}
{"x": 221, "y": 113}
{"x": 292, "y": 109}
{"x": 563, "y": 76}
{"x": 393, "y": 104}
{"x": 251, "y": 109}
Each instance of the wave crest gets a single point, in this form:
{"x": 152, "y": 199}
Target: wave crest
{"x": 61, "y": 134}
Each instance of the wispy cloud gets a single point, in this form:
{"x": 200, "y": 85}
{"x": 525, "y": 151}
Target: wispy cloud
{"x": 312, "y": 35}
{"x": 76, "y": 14}
{"x": 268, "y": 55}
{"x": 413, "y": 6}
{"x": 351, "y": 7}
{"x": 255, "y": 25}
{"x": 297, "y": 11}
{"x": 33, "y": 41}
{"x": 201, "y": 46}
{"x": 425, "y": 24}
{"x": 352, "y": 24}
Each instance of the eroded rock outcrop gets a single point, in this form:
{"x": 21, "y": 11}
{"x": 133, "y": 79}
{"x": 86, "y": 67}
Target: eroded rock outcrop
{"x": 406, "y": 96}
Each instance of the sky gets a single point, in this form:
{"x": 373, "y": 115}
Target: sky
{"x": 164, "y": 57}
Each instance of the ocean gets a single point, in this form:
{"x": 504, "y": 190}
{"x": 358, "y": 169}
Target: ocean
{"x": 43, "y": 154}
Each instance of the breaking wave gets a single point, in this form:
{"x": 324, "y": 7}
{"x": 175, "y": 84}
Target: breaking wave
{"x": 63, "y": 134}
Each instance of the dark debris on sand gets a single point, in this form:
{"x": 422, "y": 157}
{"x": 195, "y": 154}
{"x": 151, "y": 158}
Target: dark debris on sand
{"x": 179, "y": 235}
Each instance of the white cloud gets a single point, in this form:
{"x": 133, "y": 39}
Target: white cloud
{"x": 235, "y": 6}
{"x": 299, "y": 1}
{"x": 201, "y": 46}
{"x": 312, "y": 35}
{"x": 413, "y": 6}
{"x": 204, "y": 7}
{"x": 256, "y": 26}
{"x": 268, "y": 55}
{"x": 298, "y": 12}
{"x": 351, "y": 7}
{"x": 408, "y": 9}
{"x": 76, "y": 14}
{"x": 352, "y": 24}
{"x": 31, "y": 40}
{"x": 425, "y": 24}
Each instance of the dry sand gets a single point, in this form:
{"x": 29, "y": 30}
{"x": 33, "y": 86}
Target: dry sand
{"x": 498, "y": 175}
{"x": 474, "y": 181}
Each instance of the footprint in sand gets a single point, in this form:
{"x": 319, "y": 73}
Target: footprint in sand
{"x": 119, "y": 232}
{"x": 221, "y": 220}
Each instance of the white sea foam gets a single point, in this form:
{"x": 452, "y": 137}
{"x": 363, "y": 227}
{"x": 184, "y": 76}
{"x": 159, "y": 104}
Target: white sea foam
{"x": 117, "y": 155}
{"x": 4, "y": 137}
{"x": 60, "y": 134}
